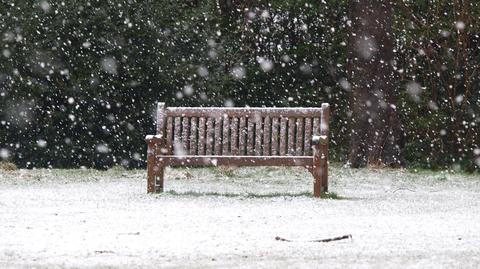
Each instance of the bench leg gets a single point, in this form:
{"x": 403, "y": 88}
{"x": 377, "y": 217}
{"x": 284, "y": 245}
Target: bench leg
{"x": 159, "y": 173}
{"x": 320, "y": 170}
{"x": 155, "y": 173}
{"x": 150, "y": 168}
{"x": 155, "y": 169}
{"x": 320, "y": 184}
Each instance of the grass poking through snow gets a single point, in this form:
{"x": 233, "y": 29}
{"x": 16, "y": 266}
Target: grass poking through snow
{"x": 7, "y": 166}
{"x": 325, "y": 195}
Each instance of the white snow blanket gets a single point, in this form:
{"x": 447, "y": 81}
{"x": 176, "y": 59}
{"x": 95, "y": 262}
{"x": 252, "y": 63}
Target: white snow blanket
{"x": 222, "y": 218}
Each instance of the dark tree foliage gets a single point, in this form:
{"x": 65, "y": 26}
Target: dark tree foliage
{"x": 79, "y": 79}
{"x": 438, "y": 48}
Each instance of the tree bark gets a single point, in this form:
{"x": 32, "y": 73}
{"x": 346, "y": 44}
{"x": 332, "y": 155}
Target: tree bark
{"x": 377, "y": 135}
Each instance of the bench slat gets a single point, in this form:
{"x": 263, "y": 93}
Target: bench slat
{"x": 161, "y": 117}
{"x": 325, "y": 119}
{"x": 305, "y": 161}
{"x": 161, "y": 124}
{"x": 308, "y": 137}
{"x": 185, "y": 134}
{"x": 193, "y": 136}
{"x": 234, "y": 136}
{"x": 291, "y": 136}
{"x": 283, "y": 136}
{"x": 267, "y": 128}
{"x": 316, "y": 126}
{"x": 274, "y": 136}
{"x": 218, "y": 135}
{"x": 242, "y": 132}
{"x": 300, "y": 133}
{"x": 178, "y": 135}
{"x": 250, "y": 137}
{"x": 209, "y": 140}
{"x": 169, "y": 135}
{"x": 258, "y": 136}
{"x": 225, "y": 138}
{"x": 201, "y": 136}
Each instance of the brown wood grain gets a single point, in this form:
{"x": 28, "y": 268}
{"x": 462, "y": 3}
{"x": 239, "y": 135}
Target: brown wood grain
{"x": 274, "y": 136}
{"x": 185, "y": 134}
{"x": 169, "y": 134}
{"x": 242, "y": 133}
{"x": 218, "y": 135}
{"x": 150, "y": 166}
{"x": 283, "y": 136}
{"x": 234, "y": 136}
{"x": 226, "y": 136}
{"x": 317, "y": 171}
{"x": 291, "y": 136}
{"x": 316, "y": 126}
{"x": 161, "y": 118}
{"x": 267, "y": 129}
{"x": 250, "y": 136}
{"x": 177, "y": 133}
{"x": 300, "y": 134}
{"x": 209, "y": 140}
{"x": 308, "y": 137}
{"x": 258, "y": 135}
{"x": 201, "y": 136}
{"x": 193, "y": 136}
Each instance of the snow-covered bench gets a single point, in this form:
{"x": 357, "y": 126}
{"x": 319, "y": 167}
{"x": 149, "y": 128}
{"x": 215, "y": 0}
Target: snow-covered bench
{"x": 196, "y": 136}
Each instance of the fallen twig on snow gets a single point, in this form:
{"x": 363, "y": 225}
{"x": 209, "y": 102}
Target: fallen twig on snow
{"x": 103, "y": 251}
{"x": 403, "y": 189}
{"x": 136, "y": 233}
{"x": 278, "y": 238}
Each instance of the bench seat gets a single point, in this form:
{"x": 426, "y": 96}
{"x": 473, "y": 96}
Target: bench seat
{"x": 188, "y": 160}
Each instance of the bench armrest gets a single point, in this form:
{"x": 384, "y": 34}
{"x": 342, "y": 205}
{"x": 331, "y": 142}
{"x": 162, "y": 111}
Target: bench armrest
{"x": 319, "y": 140}
{"x": 153, "y": 138}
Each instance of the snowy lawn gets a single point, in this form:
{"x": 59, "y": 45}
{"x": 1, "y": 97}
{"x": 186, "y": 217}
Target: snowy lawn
{"x": 217, "y": 218}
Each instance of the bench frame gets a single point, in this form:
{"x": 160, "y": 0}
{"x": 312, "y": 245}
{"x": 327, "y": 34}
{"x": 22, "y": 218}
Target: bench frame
{"x": 158, "y": 156}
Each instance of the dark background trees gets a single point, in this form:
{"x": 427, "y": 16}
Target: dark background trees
{"x": 377, "y": 134}
{"x": 79, "y": 79}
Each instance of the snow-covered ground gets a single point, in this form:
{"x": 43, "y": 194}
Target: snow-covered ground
{"x": 217, "y": 218}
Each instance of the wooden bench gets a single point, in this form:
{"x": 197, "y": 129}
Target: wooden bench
{"x": 198, "y": 136}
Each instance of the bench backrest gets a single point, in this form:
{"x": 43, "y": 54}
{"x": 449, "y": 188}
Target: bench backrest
{"x": 223, "y": 131}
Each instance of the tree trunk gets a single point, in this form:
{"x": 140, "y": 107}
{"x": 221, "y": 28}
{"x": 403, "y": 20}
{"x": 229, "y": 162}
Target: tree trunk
{"x": 377, "y": 136}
